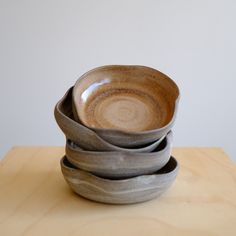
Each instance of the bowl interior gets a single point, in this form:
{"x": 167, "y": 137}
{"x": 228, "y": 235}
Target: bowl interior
{"x": 127, "y": 98}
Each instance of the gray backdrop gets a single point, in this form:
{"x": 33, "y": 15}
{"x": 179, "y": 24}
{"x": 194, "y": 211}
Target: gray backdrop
{"x": 46, "y": 45}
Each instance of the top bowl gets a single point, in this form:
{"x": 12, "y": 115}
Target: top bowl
{"x": 83, "y": 136}
{"x": 127, "y": 106}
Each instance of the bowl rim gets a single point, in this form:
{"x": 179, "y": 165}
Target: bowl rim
{"x": 168, "y": 137}
{"x": 77, "y": 83}
{"x": 76, "y": 170}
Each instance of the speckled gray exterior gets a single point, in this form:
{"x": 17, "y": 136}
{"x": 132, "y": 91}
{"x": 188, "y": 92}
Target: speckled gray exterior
{"x": 123, "y": 191}
{"x": 120, "y": 164}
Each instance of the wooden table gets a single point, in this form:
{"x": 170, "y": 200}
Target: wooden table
{"x": 35, "y": 200}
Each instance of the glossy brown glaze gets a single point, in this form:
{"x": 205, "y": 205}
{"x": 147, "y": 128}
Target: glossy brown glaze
{"x": 127, "y": 98}
{"x": 142, "y": 101}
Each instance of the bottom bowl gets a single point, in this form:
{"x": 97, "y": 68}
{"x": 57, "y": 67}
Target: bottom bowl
{"x": 121, "y": 191}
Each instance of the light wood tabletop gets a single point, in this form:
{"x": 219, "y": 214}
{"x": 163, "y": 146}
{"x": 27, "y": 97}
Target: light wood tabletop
{"x": 35, "y": 199}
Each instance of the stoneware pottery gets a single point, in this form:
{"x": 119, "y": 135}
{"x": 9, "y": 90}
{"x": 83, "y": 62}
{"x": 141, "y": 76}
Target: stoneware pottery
{"x": 122, "y": 191}
{"x": 120, "y": 164}
{"x": 127, "y": 106}
{"x": 83, "y": 136}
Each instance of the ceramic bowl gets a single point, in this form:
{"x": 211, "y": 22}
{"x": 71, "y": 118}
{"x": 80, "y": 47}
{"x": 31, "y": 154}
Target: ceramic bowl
{"x": 83, "y": 136}
{"x": 120, "y": 164}
{"x": 127, "y": 106}
{"x": 122, "y": 191}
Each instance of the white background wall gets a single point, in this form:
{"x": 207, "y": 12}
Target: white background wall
{"x": 46, "y": 45}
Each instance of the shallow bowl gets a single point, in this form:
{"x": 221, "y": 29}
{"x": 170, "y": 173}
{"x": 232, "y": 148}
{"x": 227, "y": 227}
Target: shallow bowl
{"x": 122, "y": 191}
{"x": 127, "y": 106}
{"x": 120, "y": 164}
{"x": 83, "y": 136}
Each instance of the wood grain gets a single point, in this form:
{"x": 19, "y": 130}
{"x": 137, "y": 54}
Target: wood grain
{"x": 35, "y": 200}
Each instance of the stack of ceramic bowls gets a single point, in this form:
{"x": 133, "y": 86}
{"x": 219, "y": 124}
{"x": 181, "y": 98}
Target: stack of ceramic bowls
{"x": 117, "y": 121}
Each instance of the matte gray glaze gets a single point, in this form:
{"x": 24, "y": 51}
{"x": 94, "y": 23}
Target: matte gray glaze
{"x": 129, "y": 72}
{"x": 120, "y": 164}
{"x": 122, "y": 191}
{"x": 83, "y": 136}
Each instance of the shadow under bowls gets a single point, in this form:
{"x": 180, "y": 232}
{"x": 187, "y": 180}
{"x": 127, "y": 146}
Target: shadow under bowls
{"x": 122, "y": 191}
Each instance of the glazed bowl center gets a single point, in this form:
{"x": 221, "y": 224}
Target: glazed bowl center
{"x": 129, "y": 100}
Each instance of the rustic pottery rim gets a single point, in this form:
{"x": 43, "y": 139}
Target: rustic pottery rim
{"x": 77, "y": 84}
